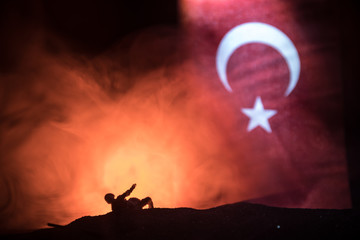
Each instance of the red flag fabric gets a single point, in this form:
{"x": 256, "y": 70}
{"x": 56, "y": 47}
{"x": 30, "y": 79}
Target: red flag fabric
{"x": 276, "y": 64}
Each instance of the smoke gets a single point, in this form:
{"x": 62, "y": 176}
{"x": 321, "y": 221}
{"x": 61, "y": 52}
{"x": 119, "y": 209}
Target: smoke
{"x": 74, "y": 128}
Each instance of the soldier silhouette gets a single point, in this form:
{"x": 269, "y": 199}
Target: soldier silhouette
{"x": 120, "y": 203}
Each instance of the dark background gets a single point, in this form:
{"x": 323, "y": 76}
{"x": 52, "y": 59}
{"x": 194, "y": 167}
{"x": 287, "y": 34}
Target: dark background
{"x": 90, "y": 27}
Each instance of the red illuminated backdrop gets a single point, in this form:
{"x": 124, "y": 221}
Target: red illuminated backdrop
{"x": 151, "y": 110}
{"x": 301, "y": 163}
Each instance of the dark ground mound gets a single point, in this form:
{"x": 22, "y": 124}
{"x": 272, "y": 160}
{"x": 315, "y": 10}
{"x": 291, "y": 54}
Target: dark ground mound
{"x": 232, "y": 221}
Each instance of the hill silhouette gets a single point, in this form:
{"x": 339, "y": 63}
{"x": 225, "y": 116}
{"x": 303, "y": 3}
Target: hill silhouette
{"x": 232, "y": 221}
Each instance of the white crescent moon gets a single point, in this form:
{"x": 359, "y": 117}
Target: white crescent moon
{"x": 256, "y": 32}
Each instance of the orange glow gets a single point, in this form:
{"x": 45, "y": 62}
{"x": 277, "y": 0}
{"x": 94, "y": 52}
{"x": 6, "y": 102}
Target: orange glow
{"x": 79, "y": 142}
{"x": 152, "y": 111}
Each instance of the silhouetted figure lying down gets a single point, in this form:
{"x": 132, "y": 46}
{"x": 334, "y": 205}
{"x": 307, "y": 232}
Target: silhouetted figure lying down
{"x": 120, "y": 203}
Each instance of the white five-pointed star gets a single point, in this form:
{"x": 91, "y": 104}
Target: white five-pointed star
{"x": 258, "y": 116}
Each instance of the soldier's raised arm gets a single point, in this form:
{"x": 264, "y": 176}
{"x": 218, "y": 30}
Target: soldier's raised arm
{"x": 128, "y": 192}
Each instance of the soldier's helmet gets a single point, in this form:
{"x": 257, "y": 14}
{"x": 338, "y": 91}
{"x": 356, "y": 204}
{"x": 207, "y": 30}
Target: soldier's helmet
{"x": 109, "y": 198}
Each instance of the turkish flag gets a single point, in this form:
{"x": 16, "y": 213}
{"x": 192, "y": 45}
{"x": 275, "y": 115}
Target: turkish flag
{"x": 276, "y": 65}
